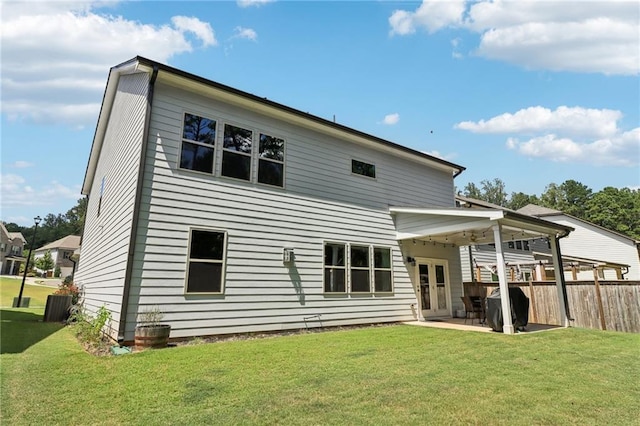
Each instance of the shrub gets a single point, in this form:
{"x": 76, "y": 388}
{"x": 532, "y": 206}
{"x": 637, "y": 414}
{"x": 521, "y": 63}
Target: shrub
{"x": 68, "y": 288}
{"x": 89, "y": 330}
{"x": 57, "y": 272}
{"x": 68, "y": 279}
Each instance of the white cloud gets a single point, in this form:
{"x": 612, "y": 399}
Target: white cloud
{"x": 391, "y": 119}
{"x": 566, "y": 120}
{"x": 437, "y": 154}
{"x": 21, "y": 164}
{"x": 201, "y": 30}
{"x": 565, "y": 134}
{"x": 246, "y": 33}
{"x": 55, "y": 76}
{"x": 17, "y": 193}
{"x": 432, "y": 15}
{"x": 620, "y": 150}
{"x": 249, "y": 3}
{"x": 594, "y": 36}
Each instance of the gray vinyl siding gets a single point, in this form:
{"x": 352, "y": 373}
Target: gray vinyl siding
{"x": 106, "y": 237}
{"x": 322, "y": 201}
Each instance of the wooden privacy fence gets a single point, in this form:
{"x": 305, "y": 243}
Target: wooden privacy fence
{"x": 604, "y": 305}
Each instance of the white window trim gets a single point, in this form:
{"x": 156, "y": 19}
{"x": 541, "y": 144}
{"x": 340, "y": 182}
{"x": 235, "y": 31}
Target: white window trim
{"x": 371, "y": 269}
{"x": 223, "y": 273}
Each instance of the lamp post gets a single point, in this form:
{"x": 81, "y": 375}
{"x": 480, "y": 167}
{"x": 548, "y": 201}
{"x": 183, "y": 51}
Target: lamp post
{"x": 37, "y": 220}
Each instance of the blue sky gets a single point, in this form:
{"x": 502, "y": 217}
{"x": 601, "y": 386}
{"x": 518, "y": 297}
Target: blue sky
{"x": 528, "y": 92}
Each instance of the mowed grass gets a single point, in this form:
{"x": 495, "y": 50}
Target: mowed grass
{"x": 10, "y": 287}
{"x": 396, "y": 374}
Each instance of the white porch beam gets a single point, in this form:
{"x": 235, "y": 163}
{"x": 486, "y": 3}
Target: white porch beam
{"x": 505, "y": 300}
{"x": 559, "y": 274}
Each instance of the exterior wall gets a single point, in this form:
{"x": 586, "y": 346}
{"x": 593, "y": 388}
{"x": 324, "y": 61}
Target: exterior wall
{"x": 106, "y": 237}
{"x": 58, "y": 257}
{"x": 592, "y": 242}
{"x": 9, "y": 249}
{"x": 322, "y": 201}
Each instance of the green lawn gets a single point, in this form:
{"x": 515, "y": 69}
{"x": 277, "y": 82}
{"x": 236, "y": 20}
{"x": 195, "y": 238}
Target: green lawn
{"x": 10, "y": 287}
{"x": 376, "y": 375}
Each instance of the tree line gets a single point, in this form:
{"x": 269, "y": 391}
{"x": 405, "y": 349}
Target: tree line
{"x": 617, "y": 209}
{"x": 53, "y": 227}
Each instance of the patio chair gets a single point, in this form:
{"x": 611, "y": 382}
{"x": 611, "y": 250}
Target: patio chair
{"x": 473, "y": 306}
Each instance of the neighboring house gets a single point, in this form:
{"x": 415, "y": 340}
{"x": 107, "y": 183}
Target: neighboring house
{"x": 619, "y": 254}
{"x": 588, "y": 247}
{"x": 11, "y": 247}
{"x": 232, "y": 213}
{"x": 61, "y": 253}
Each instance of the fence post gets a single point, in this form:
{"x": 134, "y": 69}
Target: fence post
{"x": 603, "y": 324}
{"x": 533, "y": 302}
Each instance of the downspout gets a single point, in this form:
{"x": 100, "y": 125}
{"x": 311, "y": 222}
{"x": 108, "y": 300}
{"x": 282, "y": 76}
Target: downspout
{"x": 136, "y": 210}
{"x": 563, "y": 282}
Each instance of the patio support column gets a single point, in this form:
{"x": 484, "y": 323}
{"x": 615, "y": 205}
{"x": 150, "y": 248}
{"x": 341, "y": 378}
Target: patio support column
{"x": 505, "y": 300}
{"x": 559, "y": 272}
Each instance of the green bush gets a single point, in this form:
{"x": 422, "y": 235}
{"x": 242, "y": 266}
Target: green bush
{"x": 57, "y": 272}
{"x": 89, "y": 330}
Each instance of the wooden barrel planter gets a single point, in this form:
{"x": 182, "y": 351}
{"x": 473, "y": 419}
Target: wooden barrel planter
{"x": 152, "y": 336}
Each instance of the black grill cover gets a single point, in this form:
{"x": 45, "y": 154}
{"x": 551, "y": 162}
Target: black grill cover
{"x": 519, "y": 309}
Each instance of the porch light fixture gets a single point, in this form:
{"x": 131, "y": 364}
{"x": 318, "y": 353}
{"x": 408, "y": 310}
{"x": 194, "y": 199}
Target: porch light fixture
{"x": 411, "y": 260}
{"x": 288, "y": 256}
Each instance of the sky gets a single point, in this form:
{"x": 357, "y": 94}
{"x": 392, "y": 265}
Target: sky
{"x": 532, "y": 93}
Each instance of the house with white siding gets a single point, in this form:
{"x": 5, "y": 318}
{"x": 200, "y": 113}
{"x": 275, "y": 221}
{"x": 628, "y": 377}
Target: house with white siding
{"x": 232, "y": 213}
{"x": 588, "y": 248}
{"x": 61, "y": 252}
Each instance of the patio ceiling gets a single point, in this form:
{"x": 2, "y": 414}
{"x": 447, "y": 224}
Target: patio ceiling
{"x": 464, "y": 226}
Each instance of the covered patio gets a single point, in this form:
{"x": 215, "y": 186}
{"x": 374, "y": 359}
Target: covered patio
{"x": 455, "y": 227}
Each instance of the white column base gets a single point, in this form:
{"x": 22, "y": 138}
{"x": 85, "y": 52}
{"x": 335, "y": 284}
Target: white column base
{"x": 508, "y": 329}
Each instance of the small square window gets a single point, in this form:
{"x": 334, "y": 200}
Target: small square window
{"x": 363, "y": 169}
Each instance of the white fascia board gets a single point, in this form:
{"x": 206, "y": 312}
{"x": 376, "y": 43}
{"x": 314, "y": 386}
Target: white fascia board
{"x": 478, "y": 213}
{"x": 103, "y": 118}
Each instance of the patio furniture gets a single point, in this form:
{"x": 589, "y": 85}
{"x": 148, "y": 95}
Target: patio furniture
{"x": 473, "y": 306}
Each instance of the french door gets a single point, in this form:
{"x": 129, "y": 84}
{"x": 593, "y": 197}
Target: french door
{"x": 433, "y": 287}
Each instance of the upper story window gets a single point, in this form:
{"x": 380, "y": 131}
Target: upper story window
{"x": 362, "y": 168}
{"x": 198, "y": 143}
{"x": 271, "y": 160}
{"x": 15, "y": 250}
{"x": 205, "y": 265}
{"x": 239, "y": 156}
{"x": 236, "y": 152}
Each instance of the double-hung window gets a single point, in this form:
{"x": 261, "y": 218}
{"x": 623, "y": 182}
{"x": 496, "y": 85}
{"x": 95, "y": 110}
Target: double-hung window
{"x": 382, "y": 270}
{"x": 198, "y": 143}
{"x": 271, "y": 160}
{"x": 236, "y": 152}
{"x": 205, "y": 266}
{"x": 335, "y": 274}
{"x": 360, "y": 278}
